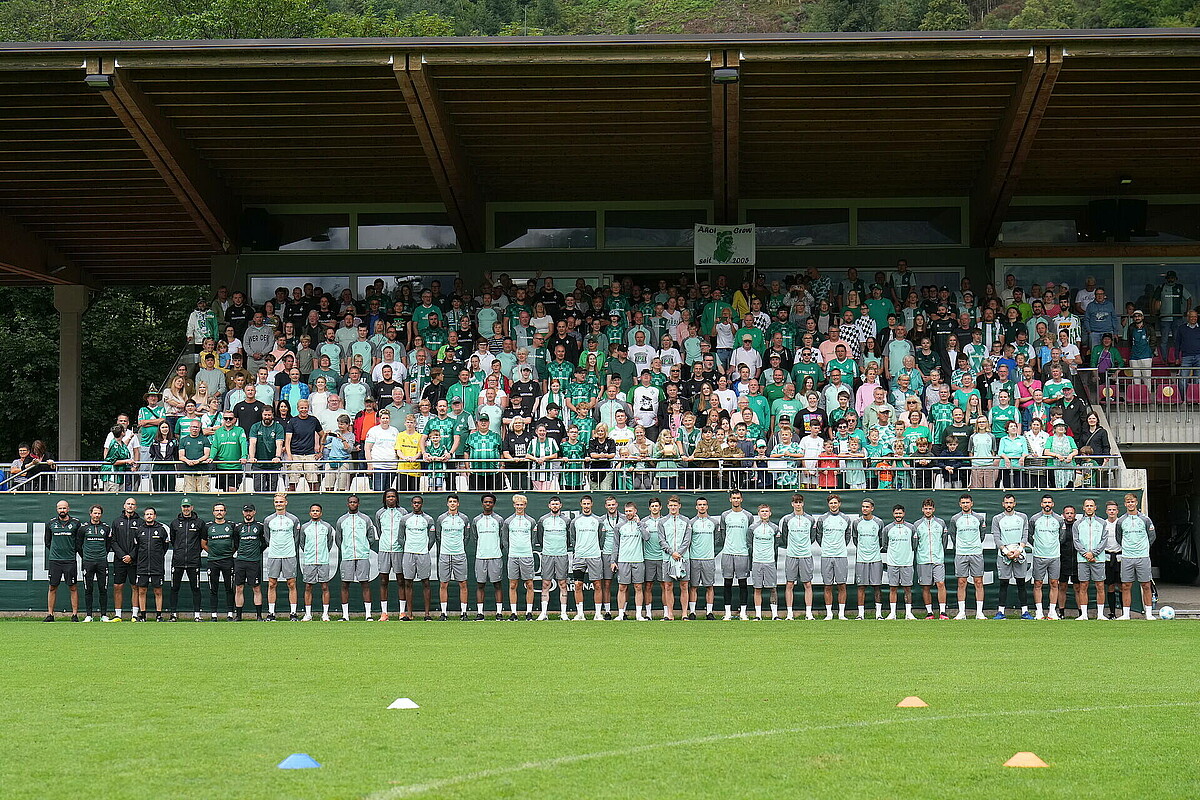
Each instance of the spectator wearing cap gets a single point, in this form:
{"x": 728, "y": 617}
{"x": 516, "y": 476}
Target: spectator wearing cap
{"x": 1172, "y": 300}
{"x": 1142, "y": 340}
{"x": 1106, "y": 356}
{"x": 1074, "y": 409}
{"x": 1060, "y": 452}
{"x": 746, "y": 354}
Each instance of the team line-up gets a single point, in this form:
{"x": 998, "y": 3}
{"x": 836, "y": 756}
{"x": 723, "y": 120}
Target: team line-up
{"x": 594, "y": 550}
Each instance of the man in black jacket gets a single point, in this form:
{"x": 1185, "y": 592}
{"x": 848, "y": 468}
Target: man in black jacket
{"x": 186, "y": 532}
{"x": 249, "y": 542}
{"x": 150, "y": 545}
{"x": 124, "y": 528}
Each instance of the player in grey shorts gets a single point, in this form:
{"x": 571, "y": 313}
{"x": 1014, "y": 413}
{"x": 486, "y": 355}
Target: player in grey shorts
{"x": 702, "y": 572}
{"x": 1046, "y": 568}
{"x": 520, "y": 568}
{"x": 929, "y": 574}
{"x": 356, "y": 570}
{"x": 555, "y": 568}
{"x": 631, "y": 572}
{"x": 764, "y": 576}
{"x": 800, "y": 570}
{"x": 901, "y": 576}
{"x": 280, "y": 568}
{"x": 452, "y": 567}
{"x": 968, "y": 566}
{"x": 416, "y": 566}
{"x": 489, "y": 570}
{"x": 834, "y": 570}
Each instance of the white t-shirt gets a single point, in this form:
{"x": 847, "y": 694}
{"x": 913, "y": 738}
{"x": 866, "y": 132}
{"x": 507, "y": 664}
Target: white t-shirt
{"x": 383, "y": 446}
{"x": 399, "y": 371}
{"x": 641, "y": 355}
{"x": 645, "y": 405}
{"x": 725, "y": 334}
{"x": 728, "y": 399}
{"x": 751, "y": 358}
{"x": 542, "y": 324}
{"x": 669, "y": 357}
{"x": 1084, "y": 298}
{"x": 811, "y": 448}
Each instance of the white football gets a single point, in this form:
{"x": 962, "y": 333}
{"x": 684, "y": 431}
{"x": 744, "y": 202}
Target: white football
{"x": 1166, "y": 612}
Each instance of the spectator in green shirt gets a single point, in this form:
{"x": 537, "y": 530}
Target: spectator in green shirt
{"x": 266, "y": 451}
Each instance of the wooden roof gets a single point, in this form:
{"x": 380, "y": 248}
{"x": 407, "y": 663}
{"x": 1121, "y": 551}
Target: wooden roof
{"x": 144, "y": 182}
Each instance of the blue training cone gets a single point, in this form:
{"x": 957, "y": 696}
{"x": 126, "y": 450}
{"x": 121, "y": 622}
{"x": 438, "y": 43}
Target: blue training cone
{"x": 298, "y": 761}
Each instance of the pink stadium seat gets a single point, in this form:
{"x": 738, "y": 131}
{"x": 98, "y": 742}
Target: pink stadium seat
{"x": 1137, "y": 394}
{"x": 1108, "y": 393}
{"x": 1124, "y": 351}
{"x": 1167, "y": 394}
{"x": 1193, "y": 393}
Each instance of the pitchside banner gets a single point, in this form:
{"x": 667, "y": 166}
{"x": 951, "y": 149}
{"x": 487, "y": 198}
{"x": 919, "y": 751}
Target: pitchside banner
{"x": 23, "y": 519}
{"x": 720, "y": 245}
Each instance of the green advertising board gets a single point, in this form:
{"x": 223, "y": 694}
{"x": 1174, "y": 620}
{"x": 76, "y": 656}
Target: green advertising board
{"x": 23, "y": 519}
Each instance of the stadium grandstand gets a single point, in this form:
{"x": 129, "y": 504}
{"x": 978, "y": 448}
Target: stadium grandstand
{"x": 472, "y": 266}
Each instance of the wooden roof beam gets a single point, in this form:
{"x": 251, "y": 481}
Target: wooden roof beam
{"x": 1014, "y": 139}
{"x": 447, "y": 159}
{"x": 23, "y": 253}
{"x": 726, "y": 138}
{"x": 198, "y": 189}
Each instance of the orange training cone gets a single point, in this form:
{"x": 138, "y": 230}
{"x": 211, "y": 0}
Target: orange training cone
{"x": 1025, "y": 760}
{"x": 912, "y": 701}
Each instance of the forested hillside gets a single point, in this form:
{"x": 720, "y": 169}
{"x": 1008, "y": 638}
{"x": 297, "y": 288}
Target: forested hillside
{"x": 49, "y": 20}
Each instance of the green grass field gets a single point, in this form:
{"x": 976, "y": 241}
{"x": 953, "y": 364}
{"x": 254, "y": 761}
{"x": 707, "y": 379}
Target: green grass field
{"x": 585, "y": 710}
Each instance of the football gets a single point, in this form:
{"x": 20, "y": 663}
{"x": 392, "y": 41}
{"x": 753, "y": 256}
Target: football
{"x": 1166, "y": 612}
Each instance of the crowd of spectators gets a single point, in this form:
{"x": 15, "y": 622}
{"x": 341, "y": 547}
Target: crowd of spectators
{"x": 815, "y": 380}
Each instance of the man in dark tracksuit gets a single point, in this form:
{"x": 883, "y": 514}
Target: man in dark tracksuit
{"x": 97, "y": 544}
{"x": 64, "y": 541}
{"x": 124, "y": 528}
{"x": 249, "y": 542}
{"x": 186, "y": 532}
{"x": 218, "y": 542}
{"x": 150, "y": 545}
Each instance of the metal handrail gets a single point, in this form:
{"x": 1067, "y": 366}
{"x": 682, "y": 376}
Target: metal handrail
{"x": 765, "y": 472}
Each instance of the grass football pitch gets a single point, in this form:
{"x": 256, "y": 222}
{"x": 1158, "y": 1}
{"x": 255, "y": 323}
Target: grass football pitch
{"x": 591, "y": 710}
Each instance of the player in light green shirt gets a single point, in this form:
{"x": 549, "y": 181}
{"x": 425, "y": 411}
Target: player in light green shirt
{"x": 587, "y": 533}
{"x": 517, "y": 542}
{"x": 451, "y": 532}
{"x": 554, "y": 534}
{"x": 485, "y": 530}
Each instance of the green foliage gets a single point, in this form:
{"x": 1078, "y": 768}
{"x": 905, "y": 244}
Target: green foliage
{"x": 1045, "y": 15}
{"x": 946, "y": 15}
{"x": 900, "y": 15}
{"x": 131, "y": 336}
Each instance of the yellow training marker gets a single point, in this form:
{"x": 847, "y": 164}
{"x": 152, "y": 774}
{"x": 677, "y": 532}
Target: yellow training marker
{"x": 1025, "y": 760}
{"x": 912, "y": 701}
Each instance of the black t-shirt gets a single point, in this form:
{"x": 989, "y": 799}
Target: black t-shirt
{"x": 303, "y": 433}
{"x": 238, "y": 317}
{"x": 517, "y": 444}
{"x": 555, "y": 428}
{"x": 248, "y": 413}
{"x": 691, "y": 388}
{"x": 382, "y": 392}
{"x": 525, "y": 394}
{"x": 568, "y": 342}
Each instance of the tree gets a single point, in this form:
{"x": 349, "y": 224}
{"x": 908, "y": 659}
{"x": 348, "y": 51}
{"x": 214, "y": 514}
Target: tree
{"x": 840, "y": 15}
{"x": 1045, "y": 15}
{"x": 946, "y": 15}
{"x": 1128, "y": 13}
{"x": 131, "y": 336}
{"x": 900, "y": 15}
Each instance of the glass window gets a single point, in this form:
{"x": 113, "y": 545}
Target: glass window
{"x": 263, "y": 231}
{"x": 397, "y": 231}
{"x": 262, "y": 287}
{"x": 1074, "y": 275}
{"x": 924, "y": 225}
{"x": 1166, "y": 224}
{"x": 1043, "y": 224}
{"x": 391, "y": 283}
{"x": 651, "y": 228}
{"x": 545, "y": 230}
{"x": 1142, "y": 282}
{"x": 800, "y": 227}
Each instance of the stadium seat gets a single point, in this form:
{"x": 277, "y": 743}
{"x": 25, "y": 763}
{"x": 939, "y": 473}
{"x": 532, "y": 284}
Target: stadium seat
{"x": 1193, "y": 393}
{"x": 1167, "y": 394}
{"x": 1137, "y": 394}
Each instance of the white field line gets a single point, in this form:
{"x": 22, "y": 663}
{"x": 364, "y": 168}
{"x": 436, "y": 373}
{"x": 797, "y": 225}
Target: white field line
{"x": 414, "y": 789}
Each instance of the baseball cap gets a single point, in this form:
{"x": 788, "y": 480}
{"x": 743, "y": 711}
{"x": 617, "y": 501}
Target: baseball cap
{"x": 248, "y": 507}
{"x": 1068, "y": 388}
{"x": 760, "y": 443}
{"x": 456, "y": 401}
{"x": 185, "y": 503}
{"x": 1171, "y": 274}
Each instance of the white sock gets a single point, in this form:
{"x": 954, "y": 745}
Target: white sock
{"x": 862, "y": 611}
{"x": 308, "y": 609}
{"x": 479, "y": 608}
{"x": 841, "y": 609}
{"x": 908, "y": 608}
{"x": 383, "y": 606}
{"x": 608, "y": 607}
{"x": 345, "y": 609}
{"x": 270, "y": 608}
{"x": 692, "y": 607}
{"x": 1053, "y": 608}
{"x": 941, "y": 608}
{"x": 1039, "y": 609}
{"x": 774, "y": 609}
{"x": 325, "y": 609}
{"x": 117, "y": 613}
{"x": 403, "y": 605}
{"x": 708, "y": 608}
{"x": 367, "y": 607}
{"x": 962, "y": 606}
{"x": 893, "y": 603}
{"x": 293, "y": 608}
{"x": 1000, "y": 609}
{"x": 1024, "y": 609}
{"x": 979, "y": 607}
{"x": 135, "y": 611}
{"x": 728, "y": 609}
{"x": 928, "y": 608}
